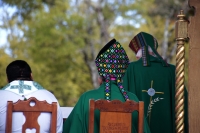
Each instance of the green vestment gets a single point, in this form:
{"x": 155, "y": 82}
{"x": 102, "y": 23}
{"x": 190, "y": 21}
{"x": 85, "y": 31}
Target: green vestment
{"x": 78, "y": 120}
{"x": 159, "y": 102}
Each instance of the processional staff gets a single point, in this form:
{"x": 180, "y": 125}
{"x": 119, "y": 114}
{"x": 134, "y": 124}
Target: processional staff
{"x": 181, "y": 32}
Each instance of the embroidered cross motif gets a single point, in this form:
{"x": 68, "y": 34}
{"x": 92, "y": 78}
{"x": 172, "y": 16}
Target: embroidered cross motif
{"x": 38, "y": 86}
{"x": 151, "y": 92}
{"x": 21, "y": 87}
{"x": 5, "y": 87}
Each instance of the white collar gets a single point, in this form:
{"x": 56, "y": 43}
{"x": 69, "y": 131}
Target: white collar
{"x": 22, "y": 87}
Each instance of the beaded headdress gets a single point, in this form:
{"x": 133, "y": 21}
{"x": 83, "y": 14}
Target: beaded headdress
{"x": 141, "y": 41}
{"x": 112, "y": 62}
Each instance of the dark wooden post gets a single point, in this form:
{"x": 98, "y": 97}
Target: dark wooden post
{"x": 194, "y": 69}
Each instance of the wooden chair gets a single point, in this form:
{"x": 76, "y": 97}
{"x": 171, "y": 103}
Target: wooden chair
{"x": 31, "y": 113}
{"x": 115, "y": 115}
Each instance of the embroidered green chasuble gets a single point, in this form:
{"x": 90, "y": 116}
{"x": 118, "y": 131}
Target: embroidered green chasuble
{"x": 155, "y": 85}
{"x": 78, "y": 120}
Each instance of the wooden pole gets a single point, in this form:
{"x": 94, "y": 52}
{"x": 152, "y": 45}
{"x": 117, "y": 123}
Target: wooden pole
{"x": 181, "y": 36}
{"x": 193, "y": 68}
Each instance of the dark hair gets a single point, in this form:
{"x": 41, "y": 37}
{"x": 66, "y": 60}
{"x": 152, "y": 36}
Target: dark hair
{"x": 102, "y": 78}
{"x": 18, "y": 70}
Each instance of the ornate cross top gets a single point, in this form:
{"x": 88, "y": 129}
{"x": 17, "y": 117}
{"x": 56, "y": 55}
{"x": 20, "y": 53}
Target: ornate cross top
{"x": 21, "y": 87}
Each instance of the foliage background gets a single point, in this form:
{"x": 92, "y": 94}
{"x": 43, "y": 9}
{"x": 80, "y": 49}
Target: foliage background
{"x": 61, "y": 38}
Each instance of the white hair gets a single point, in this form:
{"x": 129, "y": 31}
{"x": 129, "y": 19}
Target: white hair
{"x": 139, "y": 53}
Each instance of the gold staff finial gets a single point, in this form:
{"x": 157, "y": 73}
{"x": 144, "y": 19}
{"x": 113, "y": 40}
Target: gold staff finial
{"x": 181, "y": 27}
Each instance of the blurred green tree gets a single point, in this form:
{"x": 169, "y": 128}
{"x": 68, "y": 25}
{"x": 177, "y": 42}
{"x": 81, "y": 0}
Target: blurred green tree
{"x": 60, "y": 39}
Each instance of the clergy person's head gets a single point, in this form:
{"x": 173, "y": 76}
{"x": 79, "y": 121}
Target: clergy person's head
{"x": 144, "y": 45}
{"x": 111, "y": 63}
{"x": 18, "y": 70}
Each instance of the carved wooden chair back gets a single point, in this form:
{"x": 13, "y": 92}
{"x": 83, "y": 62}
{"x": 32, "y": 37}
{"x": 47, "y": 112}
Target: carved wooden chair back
{"x": 31, "y": 109}
{"x": 115, "y": 115}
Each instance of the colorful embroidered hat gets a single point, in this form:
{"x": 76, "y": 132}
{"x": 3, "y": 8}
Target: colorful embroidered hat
{"x": 143, "y": 40}
{"x": 112, "y": 62}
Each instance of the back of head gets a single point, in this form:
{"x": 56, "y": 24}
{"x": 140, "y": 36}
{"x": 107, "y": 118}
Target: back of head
{"x": 112, "y": 62}
{"x": 145, "y": 42}
{"x": 18, "y": 70}
{"x": 143, "y": 39}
